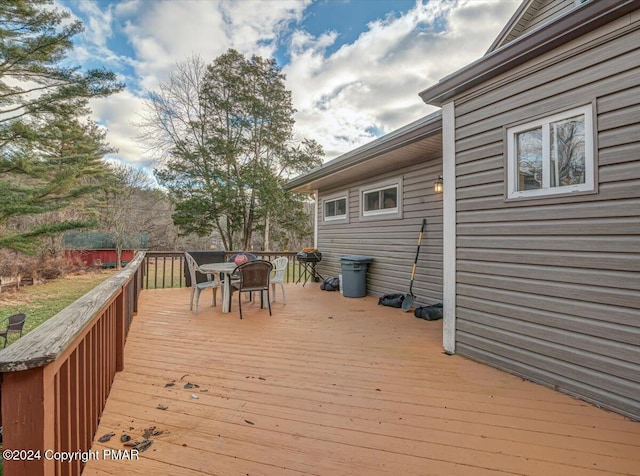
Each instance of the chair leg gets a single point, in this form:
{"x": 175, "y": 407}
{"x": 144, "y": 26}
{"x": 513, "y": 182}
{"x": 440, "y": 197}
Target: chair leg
{"x": 284, "y": 298}
{"x": 197, "y": 299}
{"x": 215, "y": 291}
{"x": 193, "y": 290}
{"x": 268, "y": 300}
{"x": 240, "y": 303}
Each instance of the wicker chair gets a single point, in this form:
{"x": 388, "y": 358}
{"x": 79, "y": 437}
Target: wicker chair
{"x": 15, "y": 325}
{"x": 253, "y": 276}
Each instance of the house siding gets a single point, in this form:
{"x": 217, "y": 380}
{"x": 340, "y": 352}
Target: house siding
{"x": 549, "y": 288}
{"x": 539, "y": 12}
{"x": 391, "y": 242}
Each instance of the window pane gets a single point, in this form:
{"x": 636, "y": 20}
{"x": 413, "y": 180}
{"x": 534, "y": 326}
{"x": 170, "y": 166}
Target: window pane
{"x": 529, "y": 159}
{"x": 330, "y": 209}
{"x": 390, "y": 198}
{"x": 371, "y": 201}
{"x": 341, "y": 207}
{"x": 567, "y": 152}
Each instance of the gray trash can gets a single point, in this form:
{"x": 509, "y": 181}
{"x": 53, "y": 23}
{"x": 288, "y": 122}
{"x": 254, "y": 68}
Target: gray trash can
{"x": 354, "y": 275}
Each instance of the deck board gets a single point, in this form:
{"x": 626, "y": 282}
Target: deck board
{"x": 330, "y": 385}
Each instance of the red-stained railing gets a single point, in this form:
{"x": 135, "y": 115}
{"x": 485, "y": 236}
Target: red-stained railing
{"x": 56, "y": 379}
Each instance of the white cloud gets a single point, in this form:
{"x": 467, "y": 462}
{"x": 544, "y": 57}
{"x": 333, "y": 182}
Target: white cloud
{"x": 98, "y": 24}
{"x": 165, "y": 32}
{"x": 119, "y": 114}
{"x": 344, "y": 98}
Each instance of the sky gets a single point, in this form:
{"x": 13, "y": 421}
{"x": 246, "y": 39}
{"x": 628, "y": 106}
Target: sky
{"x": 354, "y": 67}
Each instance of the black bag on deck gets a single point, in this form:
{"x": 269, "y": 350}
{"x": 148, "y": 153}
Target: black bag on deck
{"x": 429, "y": 313}
{"x": 330, "y": 284}
{"x": 391, "y": 300}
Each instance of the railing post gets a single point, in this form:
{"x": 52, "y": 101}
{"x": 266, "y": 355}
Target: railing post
{"x": 28, "y": 410}
{"x": 121, "y": 328}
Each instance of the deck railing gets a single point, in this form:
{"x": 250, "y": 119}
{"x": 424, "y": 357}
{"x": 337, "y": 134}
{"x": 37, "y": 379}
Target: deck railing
{"x": 56, "y": 379}
{"x": 165, "y": 269}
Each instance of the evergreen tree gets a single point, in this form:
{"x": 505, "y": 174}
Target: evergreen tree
{"x": 47, "y": 151}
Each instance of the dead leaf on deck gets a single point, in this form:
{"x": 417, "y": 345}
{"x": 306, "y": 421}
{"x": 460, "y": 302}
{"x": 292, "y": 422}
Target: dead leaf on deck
{"x": 162, "y": 407}
{"x": 143, "y": 445}
{"x": 106, "y": 437}
{"x": 249, "y": 422}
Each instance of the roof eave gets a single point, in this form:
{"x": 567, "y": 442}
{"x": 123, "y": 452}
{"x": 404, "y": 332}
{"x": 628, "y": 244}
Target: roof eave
{"x": 576, "y": 23}
{"x": 408, "y": 134}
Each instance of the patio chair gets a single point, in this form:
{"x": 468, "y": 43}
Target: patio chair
{"x": 253, "y": 276}
{"x": 15, "y": 324}
{"x": 277, "y": 277}
{"x": 196, "y": 287}
{"x": 250, "y": 257}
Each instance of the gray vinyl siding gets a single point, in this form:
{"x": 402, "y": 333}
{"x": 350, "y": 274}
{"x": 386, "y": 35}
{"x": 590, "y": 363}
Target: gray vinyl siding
{"x": 549, "y": 288}
{"x": 539, "y": 12}
{"x": 392, "y": 242}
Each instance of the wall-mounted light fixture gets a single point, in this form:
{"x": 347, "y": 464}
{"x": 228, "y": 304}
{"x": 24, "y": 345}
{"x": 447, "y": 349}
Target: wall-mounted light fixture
{"x": 437, "y": 186}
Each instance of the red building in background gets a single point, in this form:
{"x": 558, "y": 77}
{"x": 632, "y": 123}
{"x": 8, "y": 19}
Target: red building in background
{"x": 97, "y": 248}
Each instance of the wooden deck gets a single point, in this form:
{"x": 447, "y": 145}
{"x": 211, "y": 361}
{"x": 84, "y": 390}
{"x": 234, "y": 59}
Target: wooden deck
{"x": 330, "y": 385}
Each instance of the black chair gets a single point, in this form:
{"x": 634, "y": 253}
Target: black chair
{"x": 253, "y": 276}
{"x": 15, "y": 324}
{"x": 232, "y": 259}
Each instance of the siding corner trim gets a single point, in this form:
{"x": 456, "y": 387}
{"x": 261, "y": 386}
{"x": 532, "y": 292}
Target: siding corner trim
{"x": 449, "y": 227}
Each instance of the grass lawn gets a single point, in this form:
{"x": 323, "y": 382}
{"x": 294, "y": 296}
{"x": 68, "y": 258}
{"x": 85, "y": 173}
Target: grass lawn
{"x": 42, "y": 301}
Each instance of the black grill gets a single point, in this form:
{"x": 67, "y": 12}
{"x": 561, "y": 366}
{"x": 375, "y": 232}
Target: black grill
{"x": 309, "y": 256}
{"x": 308, "y": 260}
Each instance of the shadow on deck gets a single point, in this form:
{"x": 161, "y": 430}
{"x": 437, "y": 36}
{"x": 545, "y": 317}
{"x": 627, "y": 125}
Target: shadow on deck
{"x": 330, "y": 385}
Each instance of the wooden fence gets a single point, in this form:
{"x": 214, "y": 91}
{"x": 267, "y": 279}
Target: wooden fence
{"x": 165, "y": 269}
{"x": 56, "y": 379}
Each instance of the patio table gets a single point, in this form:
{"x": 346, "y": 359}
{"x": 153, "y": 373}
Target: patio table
{"x": 225, "y": 270}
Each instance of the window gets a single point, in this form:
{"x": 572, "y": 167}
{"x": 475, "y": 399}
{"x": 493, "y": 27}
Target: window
{"x": 381, "y": 200}
{"x": 551, "y": 156}
{"x": 335, "y": 209}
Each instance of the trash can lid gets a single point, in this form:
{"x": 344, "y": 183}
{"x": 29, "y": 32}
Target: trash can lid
{"x": 356, "y": 258}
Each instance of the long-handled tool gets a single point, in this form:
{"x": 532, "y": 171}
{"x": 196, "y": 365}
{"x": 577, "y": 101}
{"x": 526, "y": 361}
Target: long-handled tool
{"x": 410, "y": 298}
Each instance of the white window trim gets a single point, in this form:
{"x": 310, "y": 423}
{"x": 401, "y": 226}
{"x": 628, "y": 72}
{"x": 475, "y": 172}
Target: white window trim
{"x": 385, "y": 213}
{"x": 589, "y": 139}
{"x": 337, "y": 218}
